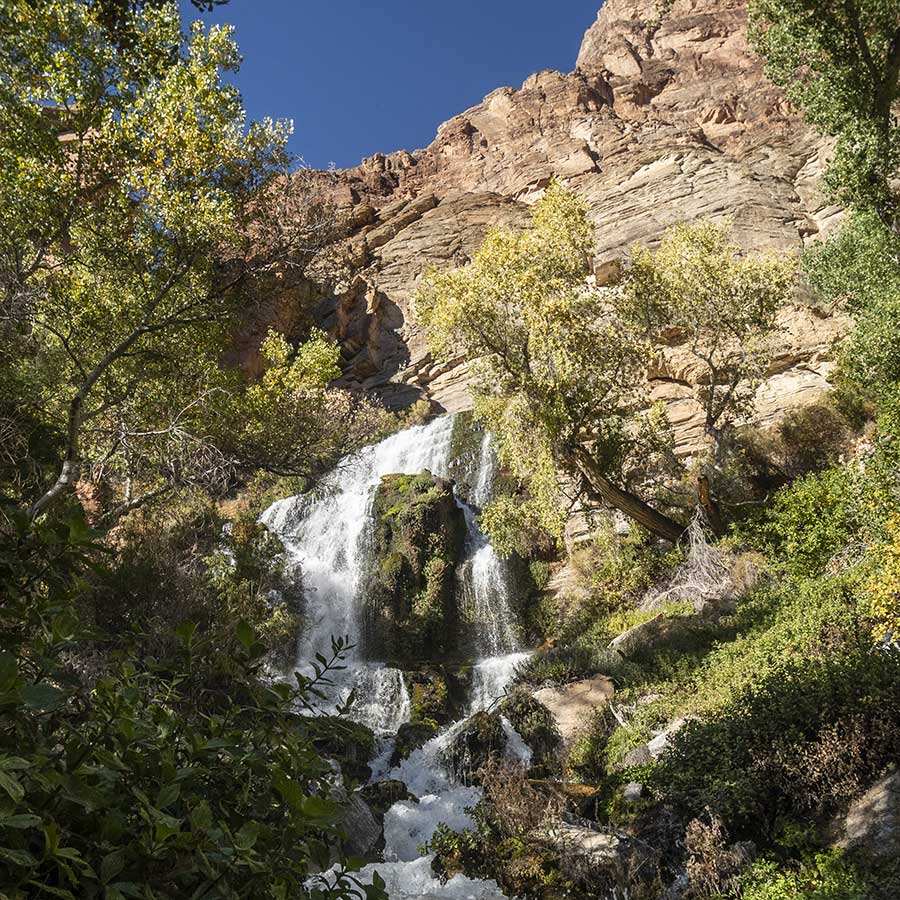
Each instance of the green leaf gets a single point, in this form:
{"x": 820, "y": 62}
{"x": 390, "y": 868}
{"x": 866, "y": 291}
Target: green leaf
{"x": 112, "y": 864}
{"x": 168, "y": 795}
{"x": 23, "y": 820}
{"x": 53, "y": 891}
{"x": 245, "y": 634}
{"x": 201, "y": 816}
{"x": 320, "y": 809}
{"x": 12, "y": 786}
{"x": 17, "y": 857}
{"x": 185, "y": 632}
{"x": 247, "y": 835}
{"x": 42, "y": 696}
{"x": 11, "y": 763}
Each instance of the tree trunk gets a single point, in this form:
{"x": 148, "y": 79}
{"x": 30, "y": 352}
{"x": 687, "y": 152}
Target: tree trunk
{"x": 71, "y": 467}
{"x": 710, "y": 507}
{"x": 645, "y": 515}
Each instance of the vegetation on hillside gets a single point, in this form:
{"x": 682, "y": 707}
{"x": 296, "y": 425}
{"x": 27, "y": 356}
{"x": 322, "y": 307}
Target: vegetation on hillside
{"x": 144, "y": 750}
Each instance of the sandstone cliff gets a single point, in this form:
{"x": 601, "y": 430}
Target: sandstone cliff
{"x": 667, "y": 116}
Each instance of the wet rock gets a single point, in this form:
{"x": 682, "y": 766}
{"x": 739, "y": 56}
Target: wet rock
{"x": 411, "y": 736}
{"x": 409, "y": 611}
{"x": 573, "y": 704}
{"x": 350, "y": 744}
{"x": 480, "y": 738}
{"x": 632, "y": 792}
{"x": 363, "y": 829}
{"x": 382, "y": 795}
{"x": 536, "y": 725}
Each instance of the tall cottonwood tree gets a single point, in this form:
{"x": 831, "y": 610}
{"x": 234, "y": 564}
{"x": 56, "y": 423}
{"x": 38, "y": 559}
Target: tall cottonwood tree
{"x": 137, "y": 206}
{"x": 558, "y": 374}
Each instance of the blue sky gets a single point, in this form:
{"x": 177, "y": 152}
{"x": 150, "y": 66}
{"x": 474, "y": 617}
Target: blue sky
{"x": 362, "y": 77}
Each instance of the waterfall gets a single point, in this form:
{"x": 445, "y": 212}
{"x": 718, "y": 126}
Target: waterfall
{"x": 485, "y": 577}
{"x": 326, "y": 537}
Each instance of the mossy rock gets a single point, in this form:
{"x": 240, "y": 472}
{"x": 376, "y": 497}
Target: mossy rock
{"x": 535, "y": 725}
{"x": 350, "y": 744}
{"x": 409, "y": 608}
{"x": 411, "y": 736}
{"x": 480, "y": 738}
{"x": 382, "y": 795}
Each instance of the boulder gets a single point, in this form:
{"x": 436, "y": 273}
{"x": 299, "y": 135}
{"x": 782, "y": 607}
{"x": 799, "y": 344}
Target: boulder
{"x": 411, "y": 736}
{"x": 481, "y": 737}
{"x": 536, "y": 725}
{"x": 573, "y": 704}
{"x": 872, "y": 822}
{"x": 364, "y": 831}
{"x": 409, "y": 611}
{"x": 380, "y": 796}
{"x": 653, "y": 749}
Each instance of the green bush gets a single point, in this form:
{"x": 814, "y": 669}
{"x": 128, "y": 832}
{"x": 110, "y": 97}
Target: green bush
{"x": 802, "y": 739}
{"x": 825, "y": 876}
{"x": 145, "y": 781}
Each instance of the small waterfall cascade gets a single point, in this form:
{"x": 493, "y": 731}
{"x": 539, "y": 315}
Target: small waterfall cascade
{"x": 326, "y": 538}
{"x": 485, "y": 577}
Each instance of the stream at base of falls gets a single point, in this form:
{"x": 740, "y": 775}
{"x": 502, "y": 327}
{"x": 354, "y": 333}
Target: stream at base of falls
{"x": 327, "y": 538}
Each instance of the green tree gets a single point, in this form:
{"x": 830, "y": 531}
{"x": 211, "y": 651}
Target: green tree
{"x": 839, "y": 61}
{"x": 723, "y": 306}
{"x": 558, "y": 375}
{"x": 858, "y": 270}
{"x": 138, "y": 212}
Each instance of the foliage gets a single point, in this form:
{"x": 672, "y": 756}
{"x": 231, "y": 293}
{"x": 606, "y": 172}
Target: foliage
{"x": 882, "y": 588}
{"x": 557, "y": 373}
{"x": 858, "y": 269}
{"x": 139, "y": 213}
{"x": 784, "y": 743}
{"x": 144, "y": 781}
{"x": 824, "y": 876}
{"x": 721, "y": 303}
{"x": 840, "y": 63}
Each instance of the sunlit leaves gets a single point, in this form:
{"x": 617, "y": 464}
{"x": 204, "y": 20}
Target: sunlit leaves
{"x": 556, "y": 368}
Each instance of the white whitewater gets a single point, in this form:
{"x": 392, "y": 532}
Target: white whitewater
{"x": 485, "y": 577}
{"x": 327, "y": 537}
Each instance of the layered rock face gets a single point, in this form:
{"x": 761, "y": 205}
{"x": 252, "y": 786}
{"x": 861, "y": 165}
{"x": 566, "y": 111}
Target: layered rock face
{"x": 667, "y": 117}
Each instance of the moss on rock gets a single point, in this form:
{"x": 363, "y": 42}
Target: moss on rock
{"x": 410, "y": 610}
{"x": 480, "y": 738}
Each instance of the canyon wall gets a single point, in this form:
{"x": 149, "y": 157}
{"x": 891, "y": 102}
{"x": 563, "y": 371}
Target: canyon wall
{"x": 667, "y": 116}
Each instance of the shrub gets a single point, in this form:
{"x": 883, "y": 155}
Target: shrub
{"x": 774, "y": 749}
{"x": 824, "y": 876}
{"x": 147, "y": 781}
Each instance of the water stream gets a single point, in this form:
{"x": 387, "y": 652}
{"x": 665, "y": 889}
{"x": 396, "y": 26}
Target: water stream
{"x": 328, "y": 539}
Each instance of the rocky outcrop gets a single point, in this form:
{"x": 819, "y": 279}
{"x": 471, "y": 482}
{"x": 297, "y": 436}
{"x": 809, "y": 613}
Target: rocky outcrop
{"x": 872, "y": 822}
{"x": 573, "y": 705}
{"x": 667, "y": 116}
{"x": 409, "y": 610}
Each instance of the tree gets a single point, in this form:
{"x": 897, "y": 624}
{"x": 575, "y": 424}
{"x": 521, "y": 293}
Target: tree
{"x": 137, "y": 211}
{"x": 558, "y": 375}
{"x": 858, "y": 269}
{"x": 722, "y": 304}
{"x": 839, "y": 61}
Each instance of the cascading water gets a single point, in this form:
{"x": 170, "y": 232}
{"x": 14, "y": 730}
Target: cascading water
{"x": 484, "y": 575}
{"x": 327, "y": 537}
